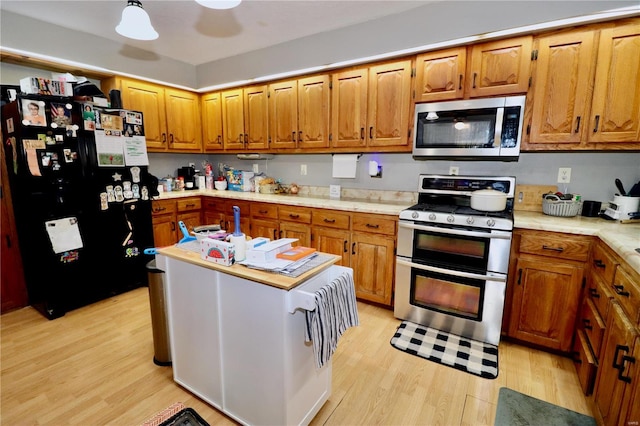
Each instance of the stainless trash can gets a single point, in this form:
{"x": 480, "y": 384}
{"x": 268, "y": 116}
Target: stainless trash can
{"x": 159, "y": 323}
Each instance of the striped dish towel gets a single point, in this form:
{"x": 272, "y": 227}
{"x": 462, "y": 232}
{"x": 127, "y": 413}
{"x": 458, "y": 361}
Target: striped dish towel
{"x": 335, "y": 312}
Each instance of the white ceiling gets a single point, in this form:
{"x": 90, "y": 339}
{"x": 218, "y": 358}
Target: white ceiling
{"x": 195, "y": 35}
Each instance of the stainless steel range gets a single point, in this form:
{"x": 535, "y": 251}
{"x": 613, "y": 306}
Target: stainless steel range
{"x": 452, "y": 260}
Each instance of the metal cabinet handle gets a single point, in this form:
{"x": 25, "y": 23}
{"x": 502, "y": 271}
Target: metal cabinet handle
{"x": 519, "y": 276}
{"x": 190, "y": 205}
{"x": 246, "y": 138}
{"x": 595, "y": 129}
{"x": 362, "y": 133}
{"x": 558, "y": 249}
{"x": 240, "y": 138}
{"x": 577, "y": 125}
{"x": 371, "y": 132}
{"x": 219, "y": 138}
{"x": 159, "y": 209}
{"x": 164, "y": 138}
{"x": 262, "y": 211}
{"x": 460, "y": 83}
{"x": 625, "y": 358}
{"x": 353, "y": 248}
{"x": 599, "y": 263}
{"x": 329, "y": 220}
{"x": 275, "y": 234}
{"x": 587, "y": 324}
{"x": 294, "y": 216}
{"x": 171, "y": 138}
{"x": 475, "y": 74}
{"x": 619, "y": 289}
{"x": 345, "y": 246}
{"x": 373, "y": 226}
{"x": 293, "y": 136}
{"x": 594, "y": 293}
{"x": 615, "y": 356}
{"x": 173, "y": 226}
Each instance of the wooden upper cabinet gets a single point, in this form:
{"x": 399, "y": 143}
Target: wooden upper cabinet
{"x": 313, "y": 112}
{"x": 389, "y": 104}
{"x": 171, "y": 116}
{"x": 299, "y": 113}
{"x": 615, "y": 112}
{"x": 370, "y": 106}
{"x": 233, "y": 119}
{"x": 256, "y": 135}
{"x": 244, "y": 119}
{"x": 349, "y": 108}
{"x": 499, "y": 67}
{"x": 283, "y": 114}
{"x": 211, "y": 107}
{"x": 440, "y": 75}
{"x": 149, "y": 99}
{"x": 561, "y": 88}
{"x": 183, "y": 120}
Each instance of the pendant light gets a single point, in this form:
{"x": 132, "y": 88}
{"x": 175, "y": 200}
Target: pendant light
{"x": 219, "y": 4}
{"x": 135, "y": 23}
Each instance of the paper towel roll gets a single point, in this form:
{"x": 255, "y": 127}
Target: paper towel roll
{"x": 240, "y": 243}
{"x": 344, "y": 165}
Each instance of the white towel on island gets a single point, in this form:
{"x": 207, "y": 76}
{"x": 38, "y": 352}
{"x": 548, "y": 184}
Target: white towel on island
{"x": 336, "y": 310}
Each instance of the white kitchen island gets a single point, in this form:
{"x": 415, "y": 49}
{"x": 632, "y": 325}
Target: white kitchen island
{"x": 238, "y": 338}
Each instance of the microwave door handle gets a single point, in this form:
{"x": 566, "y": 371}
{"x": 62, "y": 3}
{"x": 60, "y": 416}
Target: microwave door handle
{"x": 497, "y": 278}
{"x": 505, "y": 235}
{"x": 497, "y": 141}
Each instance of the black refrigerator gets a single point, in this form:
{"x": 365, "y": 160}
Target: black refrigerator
{"x": 81, "y": 192}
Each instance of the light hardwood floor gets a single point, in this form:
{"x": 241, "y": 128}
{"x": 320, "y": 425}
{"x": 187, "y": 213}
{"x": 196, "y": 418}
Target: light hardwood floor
{"x": 94, "y": 367}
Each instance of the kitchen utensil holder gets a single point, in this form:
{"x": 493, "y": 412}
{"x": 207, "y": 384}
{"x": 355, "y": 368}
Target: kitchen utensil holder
{"x": 564, "y": 208}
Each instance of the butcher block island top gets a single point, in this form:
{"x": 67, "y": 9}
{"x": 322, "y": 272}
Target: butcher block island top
{"x": 264, "y": 277}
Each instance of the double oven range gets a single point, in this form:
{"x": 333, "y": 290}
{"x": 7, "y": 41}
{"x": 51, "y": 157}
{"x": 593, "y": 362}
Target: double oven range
{"x": 452, "y": 261}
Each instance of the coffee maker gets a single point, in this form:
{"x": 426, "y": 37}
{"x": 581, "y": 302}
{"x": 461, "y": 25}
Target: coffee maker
{"x": 188, "y": 173}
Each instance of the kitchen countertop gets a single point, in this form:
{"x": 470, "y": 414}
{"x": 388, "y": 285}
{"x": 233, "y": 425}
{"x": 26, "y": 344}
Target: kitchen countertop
{"x": 623, "y": 239}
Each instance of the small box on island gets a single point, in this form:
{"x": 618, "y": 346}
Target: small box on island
{"x": 296, "y": 253}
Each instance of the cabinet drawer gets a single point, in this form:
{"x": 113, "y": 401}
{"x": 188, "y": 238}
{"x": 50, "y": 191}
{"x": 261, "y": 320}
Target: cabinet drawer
{"x": 331, "y": 219}
{"x": 159, "y": 207}
{"x": 267, "y": 211}
{"x": 563, "y": 248}
{"x": 627, "y": 293}
{"x": 604, "y": 263}
{"x": 584, "y": 362}
{"x": 600, "y": 294}
{"x": 186, "y": 204}
{"x": 212, "y": 203}
{"x": 592, "y": 325}
{"x": 374, "y": 223}
{"x": 294, "y": 214}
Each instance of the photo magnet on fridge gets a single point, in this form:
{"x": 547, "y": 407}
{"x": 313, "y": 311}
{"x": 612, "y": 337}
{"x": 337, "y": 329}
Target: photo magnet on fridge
{"x": 33, "y": 113}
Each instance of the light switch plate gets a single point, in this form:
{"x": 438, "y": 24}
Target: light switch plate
{"x": 334, "y": 191}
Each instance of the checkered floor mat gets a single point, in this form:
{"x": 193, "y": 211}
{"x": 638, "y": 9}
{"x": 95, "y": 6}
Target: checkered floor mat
{"x": 478, "y": 358}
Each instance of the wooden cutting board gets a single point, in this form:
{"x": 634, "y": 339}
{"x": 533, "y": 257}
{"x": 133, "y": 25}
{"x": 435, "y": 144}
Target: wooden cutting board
{"x": 529, "y": 197}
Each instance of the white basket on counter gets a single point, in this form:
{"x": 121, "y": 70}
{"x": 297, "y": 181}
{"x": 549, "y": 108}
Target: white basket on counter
{"x": 554, "y": 206}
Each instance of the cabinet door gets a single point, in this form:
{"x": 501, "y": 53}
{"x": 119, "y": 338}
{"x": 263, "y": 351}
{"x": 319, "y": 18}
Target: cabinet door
{"x": 389, "y": 104}
{"x": 545, "y": 302}
{"x": 296, "y": 230}
{"x": 373, "y": 260}
{"x": 440, "y": 75}
{"x": 191, "y": 220}
{"x": 610, "y": 388}
{"x": 349, "y": 109}
{"x": 500, "y": 67}
{"x": 615, "y": 112}
{"x": 150, "y": 100}
{"x": 211, "y": 107}
{"x": 164, "y": 230}
{"x": 233, "y": 119}
{"x": 256, "y": 132}
{"x": 334, "y": 241}
{"x": 561, "y": 88}
{"x": 267, "y": 228}
{"x": 631, "y": 402}
{"x": 283, "y": 114}
{"x": 313, "y": 112}
{"x": 183, "y": 120}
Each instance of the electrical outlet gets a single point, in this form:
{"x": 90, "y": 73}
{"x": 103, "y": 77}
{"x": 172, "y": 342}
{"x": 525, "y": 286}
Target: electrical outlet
{"x": 564, "y": 175}
{"x": 303, "y": 169}
{"x": 454, "y": 170}
{"x": 192, "y": 165}
{"x": 256, "y": 169}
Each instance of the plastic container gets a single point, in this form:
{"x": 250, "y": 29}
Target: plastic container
{"x": 563, "y": 208}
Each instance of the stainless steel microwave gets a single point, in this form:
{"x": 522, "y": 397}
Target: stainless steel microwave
{"x": 474, "y": 129}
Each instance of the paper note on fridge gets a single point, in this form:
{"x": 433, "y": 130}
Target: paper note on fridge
{"x": 64, "y": 234}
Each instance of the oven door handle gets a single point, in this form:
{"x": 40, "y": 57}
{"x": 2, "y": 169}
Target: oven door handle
{"x": 495, "y": 234}
{"x": 498, "y": 278}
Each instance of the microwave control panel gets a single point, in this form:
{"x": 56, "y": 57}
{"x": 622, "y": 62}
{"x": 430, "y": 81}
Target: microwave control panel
{"x": 510, "y": 127}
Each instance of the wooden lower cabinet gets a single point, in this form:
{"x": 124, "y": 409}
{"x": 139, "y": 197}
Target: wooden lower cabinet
{"x": 614, "y": 375}
{"x": 189, "y": 211}
{"x": 218, "y": 211}
{"x": 165, "y": 223}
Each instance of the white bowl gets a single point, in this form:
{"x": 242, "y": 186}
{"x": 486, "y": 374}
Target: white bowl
{"x": 220, "y": 185}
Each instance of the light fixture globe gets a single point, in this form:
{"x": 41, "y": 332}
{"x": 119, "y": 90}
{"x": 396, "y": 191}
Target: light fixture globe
{"x": 219, "y": 4}
{"x": 135, "y": 23}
